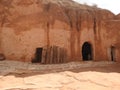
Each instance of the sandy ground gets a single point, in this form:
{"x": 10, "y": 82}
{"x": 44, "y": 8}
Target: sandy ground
{"x": 70, "y": 76}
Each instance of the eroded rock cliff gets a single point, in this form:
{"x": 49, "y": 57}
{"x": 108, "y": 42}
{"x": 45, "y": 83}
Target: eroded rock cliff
{"x": 48, "y": 15}
{"x": 32, "y": 12}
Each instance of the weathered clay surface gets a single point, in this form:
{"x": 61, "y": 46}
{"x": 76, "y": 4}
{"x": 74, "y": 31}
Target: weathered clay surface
{"x": 70, "y": 76}
{"x": 30, "y": 24}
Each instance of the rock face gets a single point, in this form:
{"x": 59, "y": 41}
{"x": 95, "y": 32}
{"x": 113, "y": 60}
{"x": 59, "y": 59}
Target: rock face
{"x": 29, "y": 28}
{"x": 117, "y": 17}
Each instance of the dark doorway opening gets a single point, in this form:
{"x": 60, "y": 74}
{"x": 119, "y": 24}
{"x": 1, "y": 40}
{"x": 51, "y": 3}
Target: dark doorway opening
{"x": 87, "y": 51}
{"x": 38, "y": 55}
{"x": 113, "y": 53}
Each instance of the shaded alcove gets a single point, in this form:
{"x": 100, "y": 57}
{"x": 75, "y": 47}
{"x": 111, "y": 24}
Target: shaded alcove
{"x": 38, "y": 55}
{"x": 87, "y": 51}
{"x": 112, "y": 53}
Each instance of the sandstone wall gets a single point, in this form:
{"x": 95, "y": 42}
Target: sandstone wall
{"x": 112, "y": 38}
{"x": 45, "y": 23}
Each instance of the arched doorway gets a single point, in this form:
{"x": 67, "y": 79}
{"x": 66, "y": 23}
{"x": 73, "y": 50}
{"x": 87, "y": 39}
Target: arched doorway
{"x": 87, "y": 51}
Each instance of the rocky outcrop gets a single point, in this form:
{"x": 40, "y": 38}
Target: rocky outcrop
{"x": 25, "y": 17}
{"x": 32, "y": 12}
{"x": 117, "y": 17}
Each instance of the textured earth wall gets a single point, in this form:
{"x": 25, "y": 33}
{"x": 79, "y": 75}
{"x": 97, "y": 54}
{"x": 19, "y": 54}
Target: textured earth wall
{"x": 29, "y": 24}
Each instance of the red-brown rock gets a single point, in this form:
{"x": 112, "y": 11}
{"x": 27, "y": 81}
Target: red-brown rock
{"x": 65, "y": 24}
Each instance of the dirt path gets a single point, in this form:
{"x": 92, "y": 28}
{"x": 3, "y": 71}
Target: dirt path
{"x": 71, "y": 76}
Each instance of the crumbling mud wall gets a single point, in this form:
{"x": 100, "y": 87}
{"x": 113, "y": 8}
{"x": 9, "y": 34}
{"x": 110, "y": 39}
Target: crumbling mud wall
{"x": 45, "y": 23}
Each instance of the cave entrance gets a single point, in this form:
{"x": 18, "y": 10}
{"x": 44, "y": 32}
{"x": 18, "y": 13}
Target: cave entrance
{"x": 113, "y": 53}
{"x": 87, "y": 51}
{"x": 38, "y": 55}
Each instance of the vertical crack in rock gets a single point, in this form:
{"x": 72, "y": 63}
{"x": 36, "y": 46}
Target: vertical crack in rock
{"x": 94, "y": 26}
